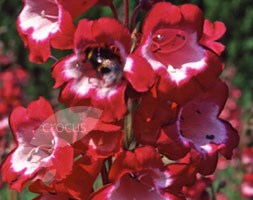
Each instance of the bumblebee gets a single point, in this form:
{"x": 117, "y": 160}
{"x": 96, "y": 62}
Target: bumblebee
{"x": 106, "y": 63}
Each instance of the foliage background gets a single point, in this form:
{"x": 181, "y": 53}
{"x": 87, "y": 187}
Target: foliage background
{"x": 236, "y": 14}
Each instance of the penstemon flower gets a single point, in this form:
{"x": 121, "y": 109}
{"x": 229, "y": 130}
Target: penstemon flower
{"x": 171, "y": 43}
{"x": 46, "y": 23}
{"x": 95, "y": 74}
{"x": 199, "y": 130}
{"x": 40, "y": 152}
{"x": 138, "y": 174}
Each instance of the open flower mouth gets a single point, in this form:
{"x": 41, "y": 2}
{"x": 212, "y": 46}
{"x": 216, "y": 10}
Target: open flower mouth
{"x": 34, "y": 153}
{"x": 177, "y": 51}
{"x": 167, "y": 41}
{"x": 40, "y": 152}
{"x": 103, "y": 59}
{"x": 200, "y": 125}
{"x": 106, "y": 64}
{"x": 139, "y": 186}
{"x": 45, "y": 20}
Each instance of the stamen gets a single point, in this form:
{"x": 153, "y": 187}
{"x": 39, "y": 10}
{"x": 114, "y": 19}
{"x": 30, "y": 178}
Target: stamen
{"x": 132, "y": 175}
{"x": 90, "y": 54}
{"x": 30, "y": 155}
{"x": 47, "y": 148}
{"x": 43, "y": 15}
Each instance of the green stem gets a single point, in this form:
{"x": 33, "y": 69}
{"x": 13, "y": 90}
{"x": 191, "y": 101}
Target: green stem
{"x": 104, "y": 174}
{"x": 114, "y": 11}
{"x": 213, "y": 196}
{"x": 128, "y": 133}
{"x": 13, "y": 195}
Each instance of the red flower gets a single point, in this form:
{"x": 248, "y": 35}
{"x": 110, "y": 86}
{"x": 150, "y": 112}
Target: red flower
{"x": 45, "y": 23}
{"x": 199, "y": 191}
{"x": 247, "y": 186}
{"x": 148, "y": 120}
{"x": 171, "y": 44}
{"x": 40, "y": 153}
{"x": 199, "y": 129}
{"x": 77, "y": 7}
{"x": 211, "y": 33}
{"x": 102, "y": 141}
{"x": 96, "y": 74}
{"x": 247, "y": 156}
{"x": 135, "y": 175}
{"x": 85, "y": 170}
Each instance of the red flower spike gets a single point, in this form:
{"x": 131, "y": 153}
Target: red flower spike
{"x": 199, "y": 128}
{"x": 95, "y": 74}
{"x": 40, "y": 152}
{"x": 167, "y": 40}
{"x": 42, "y": 24}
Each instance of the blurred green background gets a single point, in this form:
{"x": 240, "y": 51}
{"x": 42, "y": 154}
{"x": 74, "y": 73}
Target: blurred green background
{"x": 236, "y": 14}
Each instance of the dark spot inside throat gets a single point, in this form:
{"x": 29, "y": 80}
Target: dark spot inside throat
{"x": 210, "y": 137}
{"x": 198, "y": 112}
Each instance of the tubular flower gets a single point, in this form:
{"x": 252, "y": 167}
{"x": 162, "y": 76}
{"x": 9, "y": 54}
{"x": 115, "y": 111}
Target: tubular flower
{"x": 135, "y": 175}
{"x": 171, "y": 44}
{"x": 42, "y": 24}
{"x": 198, "y": 130}
{"x": 100, "y": 69}
{"x": 148, "y": 120}
{"x": 103, "y": 141}
{"x": 40, "y": 153}
{"x": 85, "y": 169}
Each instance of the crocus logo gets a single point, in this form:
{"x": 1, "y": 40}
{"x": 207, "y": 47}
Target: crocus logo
{"x": 72, "y": 121}
{"x": 64, "y": 128}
